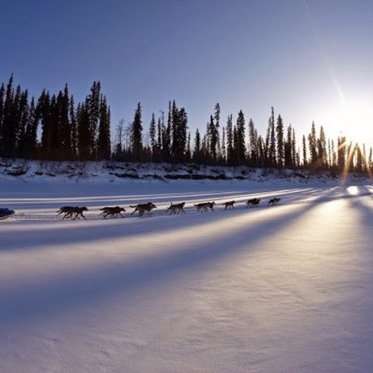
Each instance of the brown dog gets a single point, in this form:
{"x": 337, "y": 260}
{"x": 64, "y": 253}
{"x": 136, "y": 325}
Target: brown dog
{"x": 253, "y": 202}
{"x": 176, "y": 208}
{"x": 205, "y": 206}
{"x": 229, "y": 205}
{"x": 143, "y": 207}
{"x": 112, "y": 211}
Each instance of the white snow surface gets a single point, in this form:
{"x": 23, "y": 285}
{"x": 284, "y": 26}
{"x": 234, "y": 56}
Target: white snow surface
{"x": 269, "y": 289}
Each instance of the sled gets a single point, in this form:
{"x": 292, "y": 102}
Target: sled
{"x": 5, "y": 213}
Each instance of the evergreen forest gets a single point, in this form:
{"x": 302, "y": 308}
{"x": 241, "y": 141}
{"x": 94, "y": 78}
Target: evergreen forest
{"x": 54, "y": 127}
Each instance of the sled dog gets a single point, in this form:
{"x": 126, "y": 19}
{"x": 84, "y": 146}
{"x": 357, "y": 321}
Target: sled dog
{"x": 205, "y": 206}
{"x": 253, "y": 202}
{"x": 112, "y": 211}
{"x": 143, "y": 207}
{"x": 70, "y": 211}
{"x": 176, "y": 208}
{"x": 274, "y": 201}
{"x": 67, "y": 211}
{"x": 229, "y": 205}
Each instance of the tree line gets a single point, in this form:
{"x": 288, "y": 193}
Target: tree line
{"x": 236, "y": 143}
{"x": 54, "y": 127}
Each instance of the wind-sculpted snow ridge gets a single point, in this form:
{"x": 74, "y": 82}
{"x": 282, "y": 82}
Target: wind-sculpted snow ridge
{"x": 269, "y": 289}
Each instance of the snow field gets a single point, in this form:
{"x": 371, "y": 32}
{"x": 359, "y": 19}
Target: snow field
{"x": 268, "y": 289}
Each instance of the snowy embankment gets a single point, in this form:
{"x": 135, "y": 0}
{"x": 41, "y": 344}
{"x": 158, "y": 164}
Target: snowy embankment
{"x": 123, "y": 171}
{"x": 267, "y": 289}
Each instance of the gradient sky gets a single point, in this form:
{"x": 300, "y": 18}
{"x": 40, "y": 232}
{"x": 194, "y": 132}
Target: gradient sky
{"x": 307, "y": 58}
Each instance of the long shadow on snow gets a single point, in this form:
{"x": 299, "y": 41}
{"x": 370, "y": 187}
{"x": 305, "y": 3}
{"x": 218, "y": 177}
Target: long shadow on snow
{"x": 364, "y": 211}
{"x": 56, "y": 203}
{"x": 30, "y": 302}
{"x": 100, "y": 201}
{"x": 81, "y": 233}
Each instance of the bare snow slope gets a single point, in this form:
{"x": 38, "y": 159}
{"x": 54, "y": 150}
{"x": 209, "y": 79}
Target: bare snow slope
{"x": 268, "y": 289}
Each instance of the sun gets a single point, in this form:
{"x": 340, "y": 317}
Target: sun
{"x": 353, "y": 119}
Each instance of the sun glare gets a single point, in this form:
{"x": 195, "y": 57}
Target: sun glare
{"x": 354, "y": 120}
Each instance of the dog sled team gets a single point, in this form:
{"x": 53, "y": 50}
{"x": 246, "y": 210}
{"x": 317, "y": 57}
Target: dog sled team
{"x": 76, "y": 212}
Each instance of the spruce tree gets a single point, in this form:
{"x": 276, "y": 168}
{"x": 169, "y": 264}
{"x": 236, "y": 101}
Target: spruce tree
{"x": 64, "y": 124}
{"x": 166, "y": 138}
{"x": 229, "y": 132}
{"x": 288, "y": 148}
{"x": 223, "y": 147}
{"x": 334, "y": 154}
{"x": 364, "y": 159}
{"x": 261, "y": 151}
{"x": 295, "y": 156}
{"x": 159, "y": 140}
{"x": 22, "y": 120}
{"x": 240, "y": 145}
{"x": 235, "y": 147}
{"x": 312, "y": 141}
{"x": 44, "y": 115}
{"x": 93, "y": 109}
{"x": 118, "y": 147}
{"x": 321, "y": 149}
{"x": 56, "y": 148}
{"x": 359, "y": 159}
{"x": 213, "y": 133}
{"x": 179, "y": 120}
{"x": 341, "y": 153}
{"x": 280, "y": 141}
{"x": 349, "y": 161}
{"x": 74, "y": 129}
{"x": 103, "y": 140}
{"x": 84, "y": 133}
{"x": 217, "y": 126}
{"x": 188, "y": 152}
{"x": 329, "y": 156}
{"x": 9, "y": 121}
{"x": 272, "y": 139}
{"x": 304, "y": 146}
{"x": 30, "y": 140}
{"x": 136, "y": 134}
{"x": 152, "y": 136}
{"x": 197, "y": 147}
{"x": 253, "y": 146}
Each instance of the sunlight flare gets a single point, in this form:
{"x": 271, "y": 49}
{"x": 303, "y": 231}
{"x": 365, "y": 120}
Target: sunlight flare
{"x": 352, "y": 119}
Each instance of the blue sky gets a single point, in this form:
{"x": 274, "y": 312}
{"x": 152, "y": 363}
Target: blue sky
{"x": 307, "y": 58}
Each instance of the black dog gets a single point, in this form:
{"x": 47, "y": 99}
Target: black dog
{"x": 69, "y": 211}
{"x": 274, "y": 201}
{"x": 112, "y": 211}
{"x": 253, "y": 202}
